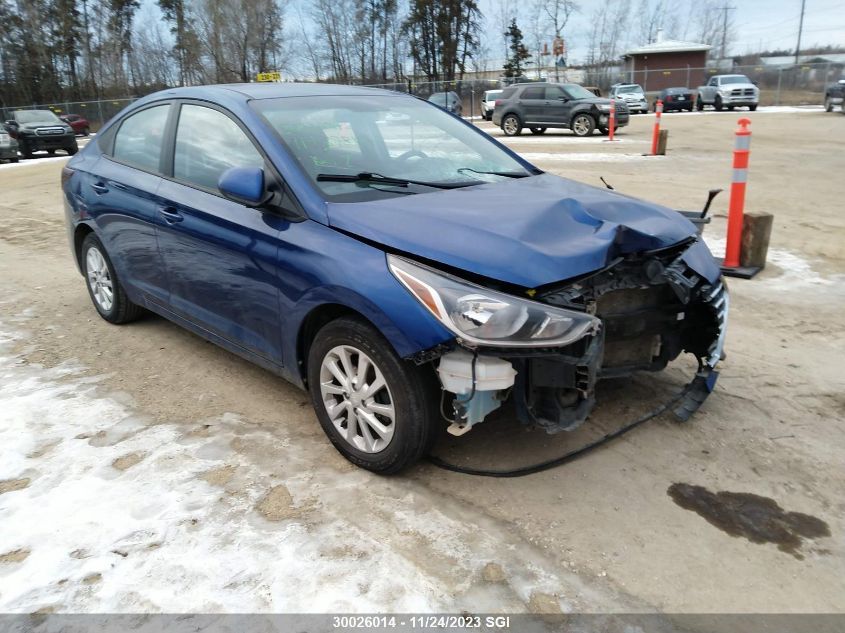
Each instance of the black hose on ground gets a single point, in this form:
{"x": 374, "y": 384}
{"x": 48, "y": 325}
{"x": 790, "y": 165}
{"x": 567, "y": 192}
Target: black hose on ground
{"x": 571, "y": 455}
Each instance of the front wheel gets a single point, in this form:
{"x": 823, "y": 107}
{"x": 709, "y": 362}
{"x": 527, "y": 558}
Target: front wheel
{"x": 378, "y": 410}
{"x": 753, "y": 108}
{"x": 538, "y": 130}
{"x": 511, "y": 125}
{"x": 583, "y": 125}
{"x": 699, "y": 104}
{"x": 25, "y": 149}
{"x": 718, "y": 104}
{"x": 104, "y": 287}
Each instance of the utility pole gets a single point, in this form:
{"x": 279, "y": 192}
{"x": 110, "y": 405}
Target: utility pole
{"x": 724, "y": 11}
{"x": 800, "y": 29}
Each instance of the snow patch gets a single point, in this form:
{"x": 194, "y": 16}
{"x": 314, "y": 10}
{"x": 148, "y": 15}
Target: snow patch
{"x": 178, "y": 517}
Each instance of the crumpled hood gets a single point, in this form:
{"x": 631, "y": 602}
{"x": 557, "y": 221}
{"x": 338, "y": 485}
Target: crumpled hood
{"x": 528, "y": 232}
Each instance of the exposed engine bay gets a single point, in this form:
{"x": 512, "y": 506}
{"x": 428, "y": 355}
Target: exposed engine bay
{"x": 652, "y": 308}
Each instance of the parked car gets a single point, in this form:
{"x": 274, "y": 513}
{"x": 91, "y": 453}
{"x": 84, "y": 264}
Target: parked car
{"x": 834, "y": 95}
{"x": 8, "y": 147}
{"x": 542, "y": 106}
{"x": 449, "y": 101}
{"x": 728, "y": 91}
{"x": 37, "y": 130}
{"x": 378, "y": 265}
{"x": 78, "y": 122}
{"x": 675, "y": 99}
{"x": 488, "y": 103}
{"x": 632, "y": 94}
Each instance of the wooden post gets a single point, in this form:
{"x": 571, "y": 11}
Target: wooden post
{"x": 756, "y": 233}
{"x": 662, "y": 140}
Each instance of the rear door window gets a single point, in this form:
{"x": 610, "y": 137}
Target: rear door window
{"x": 140, "y": 137}
{"x": 536, "y": 92}
{"x": 208, "y": 143}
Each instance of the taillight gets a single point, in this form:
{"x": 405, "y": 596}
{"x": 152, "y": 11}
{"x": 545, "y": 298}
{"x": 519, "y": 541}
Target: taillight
{"x": 67, "y": 172}
{"x": 668, "y": 98}
{"x": 498, "y": 102}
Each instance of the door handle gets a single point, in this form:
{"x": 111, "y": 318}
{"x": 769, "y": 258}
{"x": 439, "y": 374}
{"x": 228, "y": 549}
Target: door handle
{"x": 117, "y": 185}
{"x": 170, "y": 215}
{"x": 99, "y": 187}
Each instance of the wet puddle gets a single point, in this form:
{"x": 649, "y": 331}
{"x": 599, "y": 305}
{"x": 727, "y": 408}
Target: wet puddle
{"x": 743, "y": 514}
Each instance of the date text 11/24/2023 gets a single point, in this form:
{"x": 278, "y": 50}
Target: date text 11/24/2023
{"x": 421, "y": 622}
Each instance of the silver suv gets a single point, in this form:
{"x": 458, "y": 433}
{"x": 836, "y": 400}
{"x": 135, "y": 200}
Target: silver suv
{"x": 632, "y": 94}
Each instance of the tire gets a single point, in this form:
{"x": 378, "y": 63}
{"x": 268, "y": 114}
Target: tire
{"x": 699, "y": 104}
{"x": 511, "y": 125}
{"x": 828, "y": 106}
{"x": 538, "y": 130}
{"x": 71, "y": 150}
{"x": 605, "y": 131}
{"x": 410, "y": 390}
{"x": 51, "y": 152}
{"x": 752, "y": 108}
{"x": 121, "y": 309}
{"x": 582, "y": 124}
{"x": 14, "y": 159}
{"x": 24, "y": 149}
{"x": 718, "y": 103}
{"x": 86, "y": 132}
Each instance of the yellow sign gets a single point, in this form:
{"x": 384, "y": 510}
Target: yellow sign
{"x": 273, "y": 76}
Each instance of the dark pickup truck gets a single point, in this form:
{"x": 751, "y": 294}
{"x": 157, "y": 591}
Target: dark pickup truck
{"x": 37, "y": 130}
{"x": 834, "y": 96}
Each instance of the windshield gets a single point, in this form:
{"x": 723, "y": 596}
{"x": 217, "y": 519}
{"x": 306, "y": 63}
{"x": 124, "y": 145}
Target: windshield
{"x": 578, "y": 92}
{"x": 736, "y": 79}
{"x": 35, "y": 116}
{"x": 628, "y": 89}
{"x": 394, "y": 137}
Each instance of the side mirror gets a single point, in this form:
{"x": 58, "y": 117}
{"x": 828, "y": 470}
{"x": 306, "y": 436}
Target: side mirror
{"x": 244, "y": 185}
{"x": 12, "y": 123}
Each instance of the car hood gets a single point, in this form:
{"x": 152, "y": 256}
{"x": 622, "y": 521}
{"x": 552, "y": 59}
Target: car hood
{"x": 527, "y": 232}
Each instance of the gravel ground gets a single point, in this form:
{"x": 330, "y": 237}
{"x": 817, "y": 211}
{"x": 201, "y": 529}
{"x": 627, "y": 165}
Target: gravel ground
{"x": 143, "y": 469}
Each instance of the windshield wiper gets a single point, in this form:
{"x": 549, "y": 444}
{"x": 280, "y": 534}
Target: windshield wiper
{"x": 387, "y": 180}
{"x": 506, "y": 174}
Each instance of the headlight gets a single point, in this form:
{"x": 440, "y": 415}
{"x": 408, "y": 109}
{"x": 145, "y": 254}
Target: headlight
{"x": 479, "y": 316}
{"x": 604, "y": 108}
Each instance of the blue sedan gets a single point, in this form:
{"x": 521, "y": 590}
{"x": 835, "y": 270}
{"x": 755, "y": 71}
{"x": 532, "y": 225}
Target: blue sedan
{"x": 393, "y": 260}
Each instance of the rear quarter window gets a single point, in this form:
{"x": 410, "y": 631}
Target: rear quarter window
{"x": 139, "y": 138}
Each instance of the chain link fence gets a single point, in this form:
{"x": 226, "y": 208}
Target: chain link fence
{"x": 95, "y": 112}
{"x": 802, "y": 84}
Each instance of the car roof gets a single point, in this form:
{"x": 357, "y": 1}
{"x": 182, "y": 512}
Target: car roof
{"x": 272, "y": 90}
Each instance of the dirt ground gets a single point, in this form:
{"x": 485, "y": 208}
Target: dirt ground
{"x": 622, "y": 529}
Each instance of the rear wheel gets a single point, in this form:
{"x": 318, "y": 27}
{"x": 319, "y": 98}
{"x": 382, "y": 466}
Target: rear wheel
{"x": 538, "y": 130}
{"x": 511, "y": 125}
{"x": 378, "y": 410}
{"x": 605, "y": 130}
{"x": 104, "y": 287}
{"x": 583, "y": 125}
{"x": 86, "y": 132}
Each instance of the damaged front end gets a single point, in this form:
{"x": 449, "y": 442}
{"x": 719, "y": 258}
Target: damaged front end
{"x": 547, "y": 352}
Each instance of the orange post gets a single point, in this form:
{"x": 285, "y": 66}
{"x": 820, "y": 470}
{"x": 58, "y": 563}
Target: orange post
{"x": 736, "y": 207}
{"x": 658, "y": 110}
{"x": 611, "y": 120}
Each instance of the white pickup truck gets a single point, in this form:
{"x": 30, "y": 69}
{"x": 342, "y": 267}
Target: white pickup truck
{"x": 728, "y": 91}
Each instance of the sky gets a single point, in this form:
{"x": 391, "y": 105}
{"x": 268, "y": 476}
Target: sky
{"x": 757, "y": 24}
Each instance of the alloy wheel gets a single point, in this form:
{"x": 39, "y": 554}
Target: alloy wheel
{"x": 357, "y": 399}
{"x": 99, "y": 279}
{"x": 581, "y": 125}
{"x": 510, "y": 125}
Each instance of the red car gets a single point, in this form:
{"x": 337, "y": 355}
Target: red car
{"x": 79, "y": 123}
